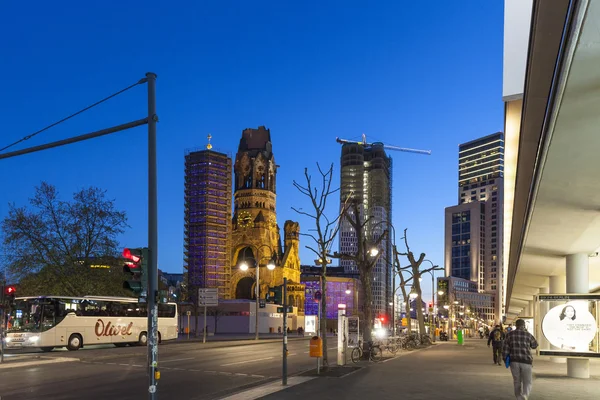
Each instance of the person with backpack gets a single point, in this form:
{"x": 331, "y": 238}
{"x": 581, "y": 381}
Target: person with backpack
{"x": 497, "y": 340}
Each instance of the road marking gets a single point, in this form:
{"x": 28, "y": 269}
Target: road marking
{"x": 15, "y": 364}
{"x": 180, "y": 359}
{"x": 125, "y": 365}
{"x": 211, "y": 372}
{"x": 247, "y": 361}
{"x": 270, "y": 388}
{"x": 238, "y": 374}
{"x": 109, "y": 363}
{"x": 306, "y": 352}
{"x": 257, "y": 376}
{"x": 224, "y": 373}
{"x": 136, "y": 365}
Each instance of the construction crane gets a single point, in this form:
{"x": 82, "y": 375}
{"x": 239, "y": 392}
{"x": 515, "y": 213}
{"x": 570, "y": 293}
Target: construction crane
{"x": 385, "y": 146}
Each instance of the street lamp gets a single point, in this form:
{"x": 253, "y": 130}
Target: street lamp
{"x": 413, "y": 293}
{"x": 270, "y": 266}
{"x": 373, "y": 252}
{"x": 348, "y": 290}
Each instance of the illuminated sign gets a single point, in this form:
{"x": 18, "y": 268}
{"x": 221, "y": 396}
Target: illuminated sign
{"x": 310, "y": 324}
{"x": 570, "y": 326}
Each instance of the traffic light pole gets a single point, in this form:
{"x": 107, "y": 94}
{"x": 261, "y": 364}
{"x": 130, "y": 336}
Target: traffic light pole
{"x": 152, "y": 293}
{"x": 285, "y": 336}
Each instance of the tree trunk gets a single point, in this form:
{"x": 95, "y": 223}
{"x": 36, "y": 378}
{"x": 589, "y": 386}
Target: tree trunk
{"x": 366, "y": 279}
{"x": 419, "y": 305}
{"x": 323, "y": 305}
{"x": 216, "y": 320}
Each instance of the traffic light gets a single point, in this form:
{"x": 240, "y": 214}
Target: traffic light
{"x": 430, "y": 304}
{"x": 275, "y": 295}
{"x": 10, "y": 292}
{"x": 136, "y": 265}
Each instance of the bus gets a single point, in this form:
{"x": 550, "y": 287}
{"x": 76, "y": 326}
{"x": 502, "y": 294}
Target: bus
{"x": 47, "y": 322}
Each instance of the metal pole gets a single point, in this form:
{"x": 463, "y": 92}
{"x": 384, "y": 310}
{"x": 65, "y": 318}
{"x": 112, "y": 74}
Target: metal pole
{"x": 257, "y": 297}
{"x": 393, "y": 302}
{"x": 152, "y": 294}
{"x": 284, "y": 372}
{"x": 319, "y": 320}
{"x": 188, "y": 325}
{"x": 432, "y": 307}
{"x": 204, "y": 335}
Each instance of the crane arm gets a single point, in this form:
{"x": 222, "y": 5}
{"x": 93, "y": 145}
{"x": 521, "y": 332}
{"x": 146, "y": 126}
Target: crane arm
{"x": 426, "y": 152}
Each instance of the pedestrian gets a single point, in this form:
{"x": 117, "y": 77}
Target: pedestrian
{"x": 496, "y": 338}
{"x": 517, "y": 347}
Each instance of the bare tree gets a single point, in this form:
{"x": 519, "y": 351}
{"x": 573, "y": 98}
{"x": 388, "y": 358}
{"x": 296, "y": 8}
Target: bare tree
{"x": 324, "y": 234}
{"x": 365, "y": 261}
{"x": 415, "y": 273}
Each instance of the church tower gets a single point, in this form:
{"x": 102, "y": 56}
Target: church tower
{"x": 255, "y": 234}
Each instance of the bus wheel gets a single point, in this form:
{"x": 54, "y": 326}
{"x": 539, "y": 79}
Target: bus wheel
{"x": 74, "y": 342}
{"x": 47, "y": 349}
{"x": 143, "y": 340}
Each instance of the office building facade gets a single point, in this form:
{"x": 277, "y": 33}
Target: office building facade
{"x": 473, "y": 228}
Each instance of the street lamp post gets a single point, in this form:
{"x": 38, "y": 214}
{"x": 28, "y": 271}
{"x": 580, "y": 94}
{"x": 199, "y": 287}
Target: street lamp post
{"x": 270, "y": 266}
{"x": 435, "y": 268}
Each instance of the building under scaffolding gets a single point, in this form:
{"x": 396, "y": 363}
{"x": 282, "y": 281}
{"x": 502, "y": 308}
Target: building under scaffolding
{"x": 207, "y": 245}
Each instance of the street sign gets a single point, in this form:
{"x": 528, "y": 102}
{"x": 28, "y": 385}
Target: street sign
{"x": 208, "y": 297}
{"x": 262, "y": 303}
{"x": 289, "y": 309}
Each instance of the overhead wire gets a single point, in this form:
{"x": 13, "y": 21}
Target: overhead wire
{"x": 143, "y": 80}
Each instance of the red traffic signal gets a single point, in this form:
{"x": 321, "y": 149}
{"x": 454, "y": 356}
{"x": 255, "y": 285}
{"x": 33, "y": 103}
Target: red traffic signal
{"x": 430, "y": 305}
{"x": 129, "y": 255}
{"x": 10, "y": 290}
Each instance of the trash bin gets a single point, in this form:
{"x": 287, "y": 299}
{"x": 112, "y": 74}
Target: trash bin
{"x": 316, "y": 347}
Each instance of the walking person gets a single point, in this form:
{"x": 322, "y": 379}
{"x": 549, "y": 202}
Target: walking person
{"x": 496, "y": 338}
{"x": 517, "y": 347}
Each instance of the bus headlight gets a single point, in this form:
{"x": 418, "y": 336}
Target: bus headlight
{"x": 34, "y": 338}
{"x": 7, "y": 339}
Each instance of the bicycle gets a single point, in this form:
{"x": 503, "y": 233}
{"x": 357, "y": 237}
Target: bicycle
{"x": 375, "y": 353}
{"x": 392, "y": 345}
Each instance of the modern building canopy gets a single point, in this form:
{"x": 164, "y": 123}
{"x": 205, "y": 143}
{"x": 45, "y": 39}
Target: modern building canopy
{"x": 553, "y": 151}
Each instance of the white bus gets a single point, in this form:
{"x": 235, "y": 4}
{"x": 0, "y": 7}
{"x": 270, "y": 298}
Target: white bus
{"x": 47, "y": 322}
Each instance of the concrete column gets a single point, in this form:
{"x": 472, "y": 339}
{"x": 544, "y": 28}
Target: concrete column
{"x": 538, "y": 320}
{"x": 557, "y": 284}
{"x": 578, "y": 281}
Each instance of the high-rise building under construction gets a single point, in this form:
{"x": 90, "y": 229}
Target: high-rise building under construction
{"x": 366, "y": 176}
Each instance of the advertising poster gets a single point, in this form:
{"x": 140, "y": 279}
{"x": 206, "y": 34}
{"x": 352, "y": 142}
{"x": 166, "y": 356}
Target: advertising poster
{"x": 310, "y": 324}
{"x": 353, "y": 331}
{"x": 570, "y": 326}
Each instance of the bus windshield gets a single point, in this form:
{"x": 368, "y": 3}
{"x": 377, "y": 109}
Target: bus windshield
{"x": 31, "y": 315}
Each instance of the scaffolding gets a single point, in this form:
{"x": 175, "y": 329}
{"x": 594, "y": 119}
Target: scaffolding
{"x": 207, "y": 241}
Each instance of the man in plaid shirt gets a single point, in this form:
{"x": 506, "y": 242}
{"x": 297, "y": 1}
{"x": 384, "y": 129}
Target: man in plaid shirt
{"x": 518, "y": 345}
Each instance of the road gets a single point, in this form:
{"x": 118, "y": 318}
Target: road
{"x": 188, "y": 371}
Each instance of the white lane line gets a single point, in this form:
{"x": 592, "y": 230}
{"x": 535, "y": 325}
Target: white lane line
{"x": 306, "y": 352}
{"x": 109, "y": 363}
{"x": 247, "y": 361}
{"x": 137, "y": 365}
{"x": 15, "y": 364}
{"x": 125, "y": 365}
{"x": 238, "y": 374}
{"x": 264, "y": 390}
{"x": 257, "y": 376}
{"x": 180, "y": 359}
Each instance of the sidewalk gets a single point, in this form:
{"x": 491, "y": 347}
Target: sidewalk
{"x": 446, "y": 371}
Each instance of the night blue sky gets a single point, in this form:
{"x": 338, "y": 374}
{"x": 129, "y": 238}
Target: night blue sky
{"x": 413, "y": 74}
